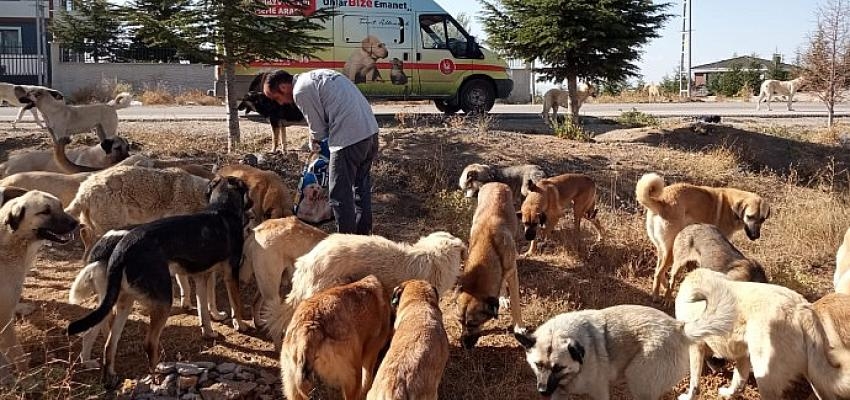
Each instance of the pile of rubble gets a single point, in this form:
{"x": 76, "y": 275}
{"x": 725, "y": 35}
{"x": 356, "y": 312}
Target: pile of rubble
{"x": 202, "y": 380}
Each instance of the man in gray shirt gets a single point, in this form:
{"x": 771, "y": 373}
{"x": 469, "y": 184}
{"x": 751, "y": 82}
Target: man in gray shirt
{"x": 336, "y": 109}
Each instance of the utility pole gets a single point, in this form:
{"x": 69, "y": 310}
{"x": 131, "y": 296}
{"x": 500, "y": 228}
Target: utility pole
{"x": 685, "y": 74}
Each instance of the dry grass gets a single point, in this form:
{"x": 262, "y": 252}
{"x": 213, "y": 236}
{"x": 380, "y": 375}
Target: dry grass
{"x": 100, "y": 93}
{"x": 415, "y": 179}
{"x": 196, "y": 97}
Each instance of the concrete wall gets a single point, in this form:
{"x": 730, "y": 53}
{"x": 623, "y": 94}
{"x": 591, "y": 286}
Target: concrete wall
{"x": 522, "y": 86}
{"x": 69, "y": 77}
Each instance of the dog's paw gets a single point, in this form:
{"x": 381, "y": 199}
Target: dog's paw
{"x": 688, "y": 396}
{"x": 239, "y": 325}
{"x": 218, "y": 316}
{"x": 726, "y": 392}
{"x": 209, "y": 334}
{"x": 504, "y": 302}
{"x": 520, "y": 330}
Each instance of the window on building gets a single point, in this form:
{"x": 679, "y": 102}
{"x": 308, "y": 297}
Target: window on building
{"x": 10, "y": 40}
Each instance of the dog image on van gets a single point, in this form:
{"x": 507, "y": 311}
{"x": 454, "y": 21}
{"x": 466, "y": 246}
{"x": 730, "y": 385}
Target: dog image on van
{"x": 587, "y": 351}
{"x": 362, "y": 64}
{"x": 335, "y": 338}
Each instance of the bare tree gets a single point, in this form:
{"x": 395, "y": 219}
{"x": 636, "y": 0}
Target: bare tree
{"x": 826, "y": 60}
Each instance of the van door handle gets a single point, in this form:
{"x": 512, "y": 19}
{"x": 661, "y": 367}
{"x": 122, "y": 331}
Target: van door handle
{"x": 418, "y": 56}
{"x": 404, "y": 56}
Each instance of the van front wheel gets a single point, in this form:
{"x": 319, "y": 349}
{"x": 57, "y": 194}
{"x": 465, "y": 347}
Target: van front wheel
{"x": 477, "y": 96}
{"x": 446, "y": 108}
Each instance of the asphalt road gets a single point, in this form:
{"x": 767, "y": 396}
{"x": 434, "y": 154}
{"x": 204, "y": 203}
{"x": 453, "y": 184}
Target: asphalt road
{"x": 518, "y": 111}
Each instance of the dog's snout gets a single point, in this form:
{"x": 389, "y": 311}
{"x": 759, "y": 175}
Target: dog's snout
{"x": 530, "y": 232}
{"x": 752, "y": 233}
{"x": 545, "y": 389}
{"x": 469, "y": 341}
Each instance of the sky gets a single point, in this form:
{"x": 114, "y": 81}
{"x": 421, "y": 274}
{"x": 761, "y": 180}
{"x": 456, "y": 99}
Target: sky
{"x": 721, "y": 29}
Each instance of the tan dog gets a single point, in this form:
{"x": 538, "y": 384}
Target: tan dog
{"x": 834, "y": 312}
{"x": 491, "y": 264}
{"x": 548, "y": 198}
{"x": 841, "y": 280}
{"x": 670, "y": 209}
{"x": 92, "y": 156}
{"x": 419, "y": 349}
{"x": 362, "y": 64}
{"x": 10, "y": 192}
{"x": 26, "y": 222}
{"x": 777, "y": 336}
{"x": 63, "y": 186}
{"x": 270, "y": 196}
{"x": 704, "y": 246}
{"x": 773, "y": 87}
{"x": 555, "y": 98}
{"x": 270, "y": 252}
{"x": 335, "y": 337}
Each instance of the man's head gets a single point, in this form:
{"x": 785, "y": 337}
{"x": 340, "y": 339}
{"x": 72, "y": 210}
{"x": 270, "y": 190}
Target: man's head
{"x": 278, "y": 87}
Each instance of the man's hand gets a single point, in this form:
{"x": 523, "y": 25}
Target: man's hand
{"x": 315, "y": 145}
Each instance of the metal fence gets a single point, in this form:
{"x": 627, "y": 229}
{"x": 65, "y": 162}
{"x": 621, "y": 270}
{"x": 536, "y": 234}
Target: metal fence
{"x": 20, "y": 66}
{"x": 131, "y": 54}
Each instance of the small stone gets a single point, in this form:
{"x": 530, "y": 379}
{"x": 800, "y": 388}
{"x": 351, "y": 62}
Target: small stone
{"x": 227, "y": 377}
{"x": 267, "y": 378}
{"x": 189, "y": 370}
{"x": 266, "y": 397}
{"x": 187, "y": 382}
{"x": 229, "y": 390}
{"x": 203, "y": 377}
{"x": 212, "y": 374}
{"x": 168, "y": 387}
{"x": 142, "y": 387}
{"x": 226, "y": 368}
{"x": 245, "y": 376}
{"x": 204, "y": 364}
{"x": 263, "y": 389}
{"x": 165, "y": 368}
{"x": 191, "y": 396}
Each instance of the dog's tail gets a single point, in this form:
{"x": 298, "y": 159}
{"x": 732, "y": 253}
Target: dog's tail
{"x": 122, "y": 100}
{"x": 114, "y": 278}
{"x": 718, "y": 317}
{"x": 277, "y": 318}
{"x": 297, "y": 365}
{"x": 61, "y": 158}
{"x": 648, "y": 189}
{"x": 83, "y": 286}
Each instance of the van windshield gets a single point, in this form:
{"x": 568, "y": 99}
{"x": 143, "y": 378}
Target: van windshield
{"x": 442, "y": 32}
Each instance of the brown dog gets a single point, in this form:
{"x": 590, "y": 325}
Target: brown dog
{"x": 704, "y": 246}
{"x": 548, "y": 198}
{"x": 270, "y": 196}
{"x": 670, "y": 209}
{"x": 335, "y": 338}
{"x": 833, "y": 310}
{"x": 419, "y": 349}
{"x": 491, "y": 263}
{"x": 270, "y": 252}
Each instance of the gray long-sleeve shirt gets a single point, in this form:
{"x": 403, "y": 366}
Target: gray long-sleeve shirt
{"x": 334, "y": 108}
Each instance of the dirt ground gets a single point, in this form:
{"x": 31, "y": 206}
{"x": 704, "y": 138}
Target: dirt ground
{"x": 793, "y": 164}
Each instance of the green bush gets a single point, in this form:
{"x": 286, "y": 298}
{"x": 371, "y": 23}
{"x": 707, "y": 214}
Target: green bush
{"x": 637, "y": 119}
{"x": 569, "y": 129}
{"x": 730, "y": 83}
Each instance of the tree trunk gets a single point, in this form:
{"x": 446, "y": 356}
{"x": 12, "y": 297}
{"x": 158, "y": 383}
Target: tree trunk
{"x": 830, "y": 113}
{"x": 232, "y": 112}
{"x": 572, "y": 91}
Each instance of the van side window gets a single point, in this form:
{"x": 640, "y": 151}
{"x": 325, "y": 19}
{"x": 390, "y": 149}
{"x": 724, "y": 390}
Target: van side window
{"x": 442, "y": 32}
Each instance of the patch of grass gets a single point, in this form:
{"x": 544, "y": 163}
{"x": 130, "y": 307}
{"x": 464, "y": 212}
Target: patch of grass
{"x": 637, "y": 119}
{"x": 157, "y": 94}
{"x": 196, "y": 97}
{"x": 452, "y": 211}
{"x": 102, "y": 92}
{"x": 569, "y": 129}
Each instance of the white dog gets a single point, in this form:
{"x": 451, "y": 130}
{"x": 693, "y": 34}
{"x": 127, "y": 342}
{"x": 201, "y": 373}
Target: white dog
{"x": 555, "y": 98}
{"x": 7, "y": 93}
{"x": 773, "y": 87}
{"x": 344, "y": 258}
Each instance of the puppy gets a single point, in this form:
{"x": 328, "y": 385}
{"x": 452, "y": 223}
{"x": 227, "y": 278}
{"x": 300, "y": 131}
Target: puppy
{"x": 588, "y": 351}
{"x": 841, "y": 280}
{"x": 93, "y": 157}
{"x": 777, "y": 336}
{"x": 670, "y": 209}
{"x": 397, "y": 75}
{"x": 139, "y": 267}
{"x": 491, "y": 263}
{"x": 516, "y": 177}
{"x": 64, "y": 120}
{"x": 270, "y": 196}
{"x": 270, "y": 253}
{"x": 419, "y": 349}
{"x": 335, "y": 337}
{"x": 7, "y": 93}
{"x": 280, "y": 116}
{"x": 362, "y": 64}
{"x": 26, "y": 222}
{"x": 546, "y": 201}
{"x": 63, "y": 186}
{"x": 704, "y": 246}
{"x": 315, "y": 206}
{"x": 342, "y": 258}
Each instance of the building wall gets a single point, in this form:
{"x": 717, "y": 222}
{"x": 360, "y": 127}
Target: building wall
{"x": 28, "y": 31}
{"x": 521, "y": 92}
{"x": 70, "y": 77}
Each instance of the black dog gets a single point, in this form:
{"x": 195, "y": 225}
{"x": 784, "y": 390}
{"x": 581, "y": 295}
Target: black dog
{"x": 139, "y": 266}
{"x": 280, "y": 116}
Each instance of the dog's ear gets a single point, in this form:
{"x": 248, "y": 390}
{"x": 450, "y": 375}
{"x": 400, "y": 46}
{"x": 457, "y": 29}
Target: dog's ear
{"x": 738, "y": 208}
{"x": 15, "y": 216}
{"x": 56, "y": 94}
{"x": 576, "y": 351}
{"x": 519, "y": 216}
{"x": 532, "y": 187}
{"x": 542, "y": 218}
{"x": 526, "y": 339}
{"x": 395, "y": 299}
{"x": 492, "y": 307}
{"x": 472, "y": 176}
{"x": 106, "y": 145}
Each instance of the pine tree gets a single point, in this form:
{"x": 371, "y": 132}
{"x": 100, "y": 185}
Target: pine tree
{"x": 588, "y": 39}
{"x": 230, "y": 33}
{"x": 90, "y": 27}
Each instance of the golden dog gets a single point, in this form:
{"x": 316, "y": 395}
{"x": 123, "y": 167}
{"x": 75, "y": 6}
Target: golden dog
{"x": 419, "y": 349}
{"x": 833, "y": 310}
{"x": 491, "y": 263}
{"x": 335, "y": 337}
{"x": 270, "y": 196}
{"x": 362, "y": 64}
{"x": 548, "y": 198}
{"x": 91, "y": 158}
{"x": 841, "y": 280}
{"x": 63, "y": 186}
{"x": 270, "y": 252}
{"x": 26, "y": 222}
{"x": 670, "y": 209}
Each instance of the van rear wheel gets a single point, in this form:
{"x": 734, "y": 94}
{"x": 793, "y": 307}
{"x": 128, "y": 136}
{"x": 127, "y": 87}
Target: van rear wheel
{"x": 477, "y": 96}
{"x": 446, "y": 107}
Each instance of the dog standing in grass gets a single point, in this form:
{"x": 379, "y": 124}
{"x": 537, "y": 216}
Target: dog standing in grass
{"x": 419, "y": 349}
